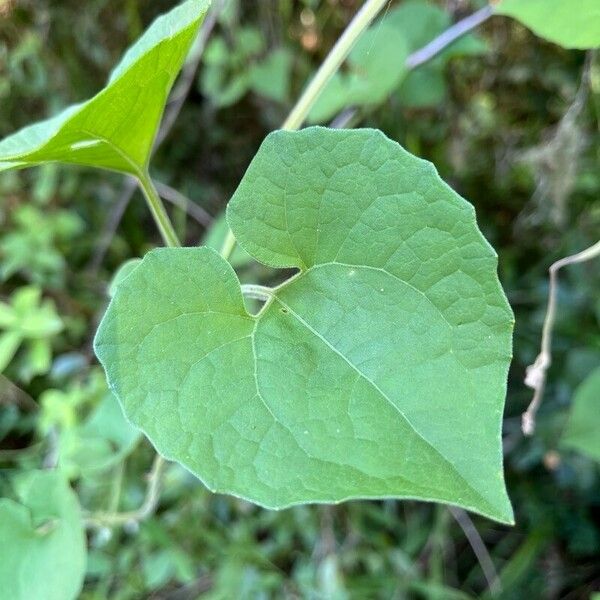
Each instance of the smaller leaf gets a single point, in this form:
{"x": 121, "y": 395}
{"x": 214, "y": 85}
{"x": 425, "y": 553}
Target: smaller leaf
{"x": 271, "y": 77}
{"x": 115, "y": 129}
{"x": 43, "y": 540}
{"x": 564, "y": 22}
{"x": 583, "y": 429}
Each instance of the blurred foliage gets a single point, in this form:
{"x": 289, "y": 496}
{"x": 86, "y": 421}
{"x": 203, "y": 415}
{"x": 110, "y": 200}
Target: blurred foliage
{"x": 581, "y": 432}
{"x": 31, "y": 323}
{"x": 376, "y": 65}
{"x": 32, "y": 246}
{"x": 498, "y": 127}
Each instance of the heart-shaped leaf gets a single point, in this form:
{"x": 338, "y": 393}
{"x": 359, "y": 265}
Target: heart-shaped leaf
{"x": 570, "y": 24}
{"x": 378, "y": 370}
{"x": 42, "y": 540}
{"x": 115, "y": 129}
{"x": 583, "y": 429}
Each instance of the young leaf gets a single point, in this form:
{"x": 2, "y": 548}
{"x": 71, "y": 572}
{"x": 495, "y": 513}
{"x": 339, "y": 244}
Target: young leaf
{"x": 379, "y": 370}
{"x": 570, "y": 24}
{"x": 42, "y": 540}
{"x": 115, "y": 129}
{"x": 583, "y": 429}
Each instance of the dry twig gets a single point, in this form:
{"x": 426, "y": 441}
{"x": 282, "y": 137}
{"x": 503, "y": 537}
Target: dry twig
{"x": 535, "y": 377}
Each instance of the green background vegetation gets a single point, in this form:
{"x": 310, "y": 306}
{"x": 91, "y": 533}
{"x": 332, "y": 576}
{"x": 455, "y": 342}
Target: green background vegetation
{"x": 510, "y": 126}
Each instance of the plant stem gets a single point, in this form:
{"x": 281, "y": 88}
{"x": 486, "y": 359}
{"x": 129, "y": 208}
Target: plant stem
{"x": 447, "y": 37}
{"x": 337, "y": 55}
{"x": 479, "y": 548}
{"x": 178, "y": 199}
{"x": 258, "y": 292}
{"x": 228, "y": 245}
{"x": 536, "y": 373}
{"x": 426, "y": 53}
{"x": 175, "y": 104}
{"x": 332, "y": 63}
{"x": 108, "y": 519}
{"x": 158, "y": 211}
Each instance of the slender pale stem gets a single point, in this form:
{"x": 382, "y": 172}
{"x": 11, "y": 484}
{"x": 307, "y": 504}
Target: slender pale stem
{"x": 479, "y": 548}
{"x": 228, "y": 245}
{"x": 337, "y": 55}
{"x": 536, "y": 373}
{"x": 108, "y": 519}
{"x": 158, "y": 211}
{"x": 332, "y": 63}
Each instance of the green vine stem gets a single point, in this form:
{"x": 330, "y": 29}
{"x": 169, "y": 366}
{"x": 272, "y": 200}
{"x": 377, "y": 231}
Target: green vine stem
{"x": 157, "y": 208}
{"x": 257, "y": 292}
{"x": 337, "y": 55}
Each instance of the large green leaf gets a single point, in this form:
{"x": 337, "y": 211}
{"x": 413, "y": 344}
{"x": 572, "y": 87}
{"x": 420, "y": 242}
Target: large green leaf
{"x": 116, "y": 128}
{"x": 566, "y": 22}
{"x": 42, "y": 540}
{"x": 379, "y": 370}
{"x": 583, "y": 429}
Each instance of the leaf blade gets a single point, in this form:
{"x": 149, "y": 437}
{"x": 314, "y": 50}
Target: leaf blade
{"x": 116, "y": 128}
{"x": 347, "y": 383}
{"x": 46, "y": 537}
{"x": 557, "y": 20}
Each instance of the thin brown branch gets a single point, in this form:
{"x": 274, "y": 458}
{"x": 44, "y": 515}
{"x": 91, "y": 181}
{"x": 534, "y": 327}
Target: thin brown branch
{"x": 536, "y": 373}
{"x": 447, "y": 37}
